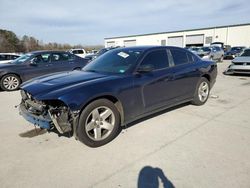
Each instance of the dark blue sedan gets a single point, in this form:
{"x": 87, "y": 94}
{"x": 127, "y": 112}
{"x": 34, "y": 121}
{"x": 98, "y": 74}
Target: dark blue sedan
{"x": 36, "y": 64}
{"x": 115, "y": 89}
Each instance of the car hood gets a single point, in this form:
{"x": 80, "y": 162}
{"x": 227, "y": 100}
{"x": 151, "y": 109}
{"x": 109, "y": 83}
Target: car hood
{"x": 242, "y": 59}
{"x": 60, "y": 83}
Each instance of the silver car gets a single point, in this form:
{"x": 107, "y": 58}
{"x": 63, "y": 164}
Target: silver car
{"x": 214, "y": 53}
{"x": 240, "y": 64}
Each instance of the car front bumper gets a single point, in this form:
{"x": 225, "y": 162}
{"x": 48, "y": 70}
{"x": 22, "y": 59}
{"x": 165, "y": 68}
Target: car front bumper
{"x": 238, "y": 69}
{"x": 40, "y": 121}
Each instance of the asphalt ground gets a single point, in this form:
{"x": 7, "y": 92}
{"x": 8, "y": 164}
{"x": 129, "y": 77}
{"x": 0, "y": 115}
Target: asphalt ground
{"x": 186, "y": 146}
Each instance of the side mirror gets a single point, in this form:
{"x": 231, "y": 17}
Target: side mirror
{"x": 145, "y": 68}
{"x": 33, "y": 62}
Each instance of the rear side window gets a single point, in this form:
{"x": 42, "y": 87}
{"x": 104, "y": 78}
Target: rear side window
{"x": 191, "y": 58}
{"x": 157, "y": 59}
{"x": 179, "y": 56}
{"x": 3, "y": 57}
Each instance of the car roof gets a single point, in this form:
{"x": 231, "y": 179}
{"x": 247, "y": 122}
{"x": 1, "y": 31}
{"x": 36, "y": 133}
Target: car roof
{"x": 145, "y": 48}
{"x": 9, "y": 54}
{"x": 45, "y": 51}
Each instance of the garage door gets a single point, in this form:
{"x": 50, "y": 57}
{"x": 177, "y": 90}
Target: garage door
{"x": 129, "y": 43}
{"x": 110, "y": 44}
{"x": 175, "y": 41}
{"x": 194, "y": 40}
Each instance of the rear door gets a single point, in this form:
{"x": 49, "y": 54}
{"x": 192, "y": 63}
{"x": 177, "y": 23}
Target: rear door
{"x": 62, "y": 61}
{"x": 185, "y": 72}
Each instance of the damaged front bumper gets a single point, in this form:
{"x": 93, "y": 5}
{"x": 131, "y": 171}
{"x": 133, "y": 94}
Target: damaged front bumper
{"x": 48, "y": 116}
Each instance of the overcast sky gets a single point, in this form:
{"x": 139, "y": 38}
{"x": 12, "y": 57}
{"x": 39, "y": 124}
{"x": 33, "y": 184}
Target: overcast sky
{"x": 89, "y": 22}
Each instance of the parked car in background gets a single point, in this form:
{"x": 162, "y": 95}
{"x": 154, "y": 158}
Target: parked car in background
{"x": 214, "y": 53}
{"x": 120, "y": 86}
{"x": 240, "y": 64}
{"x": 36, "y": 64}
{"x": 91, "y": 57}
{"x": 234, "y": 52}
{"x": 8, "y": 57}
{"x": 221, "y": 45}
{"x": 194, "y": 49}
{"x": 79, "y": 52}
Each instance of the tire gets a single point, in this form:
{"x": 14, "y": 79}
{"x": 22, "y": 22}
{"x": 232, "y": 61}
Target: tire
{"x": 77, "y": 68}
{"x": 101, "y": 129}
{"x": 10, "y": 82}
{"x": 202, "y": 92}
{"x": 221, "y": 59}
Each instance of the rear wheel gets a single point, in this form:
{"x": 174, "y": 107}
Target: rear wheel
{"x": 99, "y": 123}
{"x": 202, "y": 92}
{"x": 10, "y": 82}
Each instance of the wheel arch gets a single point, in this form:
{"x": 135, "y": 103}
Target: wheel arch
{"x": 111, "y": 98}
{"x": 207, "y": 76}
{"x": 13, "y": 73}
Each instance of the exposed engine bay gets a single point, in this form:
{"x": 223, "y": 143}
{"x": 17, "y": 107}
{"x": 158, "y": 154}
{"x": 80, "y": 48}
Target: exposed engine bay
{"x": 47, "y": 114}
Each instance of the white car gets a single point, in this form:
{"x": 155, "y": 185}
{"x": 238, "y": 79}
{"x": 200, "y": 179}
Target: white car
{"x": 8, "y": 57}
{"x": 79, "y": 52}
{"x": 240, "y": 64}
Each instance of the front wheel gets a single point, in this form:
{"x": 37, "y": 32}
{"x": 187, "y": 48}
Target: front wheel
{"x": 10, "y": 82}
{"x": 99, "y": 123}
{"x": 202, "y": 92}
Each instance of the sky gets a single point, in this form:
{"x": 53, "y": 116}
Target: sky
{"x": 89, "y": 22}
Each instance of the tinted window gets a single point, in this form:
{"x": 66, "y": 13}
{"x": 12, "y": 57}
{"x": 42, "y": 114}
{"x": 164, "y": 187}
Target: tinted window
{"x": 3, "y": 57}
{"x": 190, "y": 57}
{"x": 179, "y": 56}
{"x": 246, "y": 53}
{"x": 42, "y": 58}
{"x": 77, "y": 51}
{"x": 157, "y": 59}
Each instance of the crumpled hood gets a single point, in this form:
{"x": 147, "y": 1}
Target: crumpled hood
{"x": 60, "y": 83}
{"x": 242, "y": 59}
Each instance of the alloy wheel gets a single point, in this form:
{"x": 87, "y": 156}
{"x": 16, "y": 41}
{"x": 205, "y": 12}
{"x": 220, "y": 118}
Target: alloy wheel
{"x": 203, "y": 91}
{"x": 100, "y": 123}
{"x": 10, "y": 83}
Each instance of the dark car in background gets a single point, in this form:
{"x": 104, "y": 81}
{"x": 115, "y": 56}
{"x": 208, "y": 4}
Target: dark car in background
{"x": 234, "y": 52}
{"x": 99, "y": 53}
{"x": 36, "y": 64}
{"x": 118, "y": 87}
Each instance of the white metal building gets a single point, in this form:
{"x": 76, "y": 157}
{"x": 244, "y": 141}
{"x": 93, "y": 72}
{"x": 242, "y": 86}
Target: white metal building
{"x": 234, "y": 35}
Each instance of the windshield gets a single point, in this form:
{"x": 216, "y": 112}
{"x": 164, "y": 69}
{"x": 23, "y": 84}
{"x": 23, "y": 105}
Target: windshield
{"x": 102, "y": 51}
{"x": 114, "y": 61}
{"x": 236, "y": 48}
{"x": 22, "y": 59}
{"x": 205, "y": 49}
{"x": 246, "y": 53}
{"x": 195, "y": 49}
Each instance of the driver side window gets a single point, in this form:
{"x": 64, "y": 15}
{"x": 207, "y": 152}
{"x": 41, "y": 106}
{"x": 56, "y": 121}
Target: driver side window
{"x": 42, "y": 58}
{"x": 157, "y": 59}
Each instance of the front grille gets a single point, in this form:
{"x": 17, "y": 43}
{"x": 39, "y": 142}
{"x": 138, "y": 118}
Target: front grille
{"x": 240, "y": 70}
{"x": 242, "y": 63}
{"x": 238, "y": 63}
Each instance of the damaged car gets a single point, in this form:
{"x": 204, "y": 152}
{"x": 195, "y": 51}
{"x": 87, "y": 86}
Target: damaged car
{"x": 115, "y": 89}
